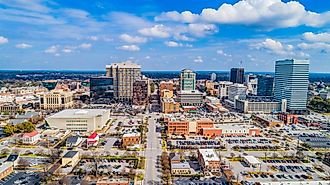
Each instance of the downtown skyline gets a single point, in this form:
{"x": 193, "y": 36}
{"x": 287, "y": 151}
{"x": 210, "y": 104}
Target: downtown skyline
{"x": 208, "y": 35}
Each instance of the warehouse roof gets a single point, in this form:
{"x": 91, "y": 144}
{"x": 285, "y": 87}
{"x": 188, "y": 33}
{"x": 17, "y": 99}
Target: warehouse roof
{"x": 79, "y": 113}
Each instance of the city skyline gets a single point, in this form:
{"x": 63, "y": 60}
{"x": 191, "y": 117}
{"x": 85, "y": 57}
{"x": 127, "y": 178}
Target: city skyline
{"x": 160, "y": 35}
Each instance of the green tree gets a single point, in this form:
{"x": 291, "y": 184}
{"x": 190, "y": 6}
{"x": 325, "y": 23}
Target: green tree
{"x": 9, "y": 129}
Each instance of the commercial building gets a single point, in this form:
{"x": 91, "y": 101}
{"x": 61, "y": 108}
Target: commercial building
{"x": 114, "y": 181}
{"x": 165, "y": 93}
{"x": 56, "y": 99}
{"x": 265, "y": 85}
{"x": 187, "y": 80}
{"x": 6, "y": 169}
{"x": 10, "y": 108}
{"x": 190, "y": 98}
{"x": 208, "y": 160}
{"x": 49, "y": 84}
{"x": 257, "y": 104}
{"x": 237, "y": 75}
{"x": 187, "y": 127}
{"x": 124, "y": 75}
{"x": 291, "y": 83}
{"x": 288, "y": 118}
{"x": 224, "y": 89}
{"x": 178, "y": 127}
{"x": 73, "y": 141}
{"x": 93, "y": 139}
{"x": 251, "y": 82}
{"x": 141, "y": 92}
{"x": 163, "y": 85}
{"x": 71, "y": 158}
{"x": 231, "y": 130}
{"x": 252, "y": 161}
{"x": 237, "y": 91}
{"x": 131, "y": 139}
{"x": 182, "y": 168}
{"x": 79, "y": 120}
{"x": 268, "y": 120}
{"x": 30, "y": 138}
{"x": 101, "y": 90}
{"x": 169, "y": 105}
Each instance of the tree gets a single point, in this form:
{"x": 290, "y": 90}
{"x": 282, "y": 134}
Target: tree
{"x": 23, "y": 163}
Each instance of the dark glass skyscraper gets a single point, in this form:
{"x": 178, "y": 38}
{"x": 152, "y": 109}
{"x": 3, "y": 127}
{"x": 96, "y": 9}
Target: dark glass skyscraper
{"x": 237, "y": 75}
{"x": 101, "y": 90}
{"x": 265, "y": 85}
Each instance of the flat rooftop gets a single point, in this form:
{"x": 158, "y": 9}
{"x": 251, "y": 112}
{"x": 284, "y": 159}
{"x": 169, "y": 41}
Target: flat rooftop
{"x": 70, "y": 154}
{"x": 79, "y": 113}
{"x": 209, "y": 155}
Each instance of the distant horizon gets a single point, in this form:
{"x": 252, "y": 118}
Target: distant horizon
{"x": 83, "y": 70}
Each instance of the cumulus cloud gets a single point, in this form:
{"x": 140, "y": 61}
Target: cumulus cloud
{"x": 52, "y": 49}
{"x": 174, "y": 44}
{"x": 275, "y": 47}
{"x": 199, "y": 59}
{"x": 67, "y": 50}
{"x": 93, "y": 38}
{"x": 23, "y": 46}
{"x": 132, "y": 39}
{"x": 129, "y": 48}
{"x": 200, "y": 30}
{"x": 263, "y": 13}
{"x": 159, "y": 31}
{"x": 320, "y": 37}
{"x": 85, "y": 45}
{"x": 186, "y": 17}
{"x": 3, "y": 40}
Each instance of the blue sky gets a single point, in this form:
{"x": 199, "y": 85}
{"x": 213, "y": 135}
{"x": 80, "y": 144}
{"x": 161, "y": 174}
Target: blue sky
{"x": 163, "y": 35}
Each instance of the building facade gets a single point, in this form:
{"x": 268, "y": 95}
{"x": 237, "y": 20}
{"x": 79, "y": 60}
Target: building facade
{"x": 169, "y": 105}
{"x": 209, "y": 160}
{"x": 56, "y": 99}
{"x": 131, "y": 139}
{"x": 190, "y": 98}
{"x": 265, "y": 85}
{"x": 141, "y": 92}
{"x": 187, "y": 80}
{"x": 237, "y": 90}
{"x": 224, "y": 89}
{"x": 291, "y": 83}
{"x": 124, "y": 75}
{"x": 101, "y": 90}
{"x": 237, "y": 75}
{"x": 79, "y": 120}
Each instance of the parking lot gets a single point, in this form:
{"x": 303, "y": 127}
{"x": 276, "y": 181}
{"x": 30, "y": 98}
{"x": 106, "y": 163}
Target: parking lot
{"x": 22, "y": 178}
{"x": 105, "y": 166}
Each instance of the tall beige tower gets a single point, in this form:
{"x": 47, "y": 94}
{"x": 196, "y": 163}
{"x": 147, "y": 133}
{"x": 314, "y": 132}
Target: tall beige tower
{"x": 124, "y": 74}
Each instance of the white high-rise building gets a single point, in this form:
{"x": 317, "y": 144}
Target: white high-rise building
{"x": 213, "y": 77}
{"x": 291, "y": 83}
{"x": 224, "y": 89}
{"x": 237, "y": 90}
{"x": 124, "y": 75}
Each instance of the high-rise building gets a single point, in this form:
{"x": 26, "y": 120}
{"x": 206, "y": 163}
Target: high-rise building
{"x": 291, "y": 83}
{"x": 213, "y": 77}
{"x": 224, "y": 89}
{"x": 141, "y": 92}
{"x": 101, "y": 90}
{"x": 265, "y": 85}
{"x": 187, "y": 80}
{"x": 124, "y": 75}
{"x": 237, "y": 75}
{"x": 237, "y": 90}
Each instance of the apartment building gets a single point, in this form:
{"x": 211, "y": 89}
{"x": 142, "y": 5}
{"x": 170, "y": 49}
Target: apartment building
{"x": 169, "y": 105}
{"x": 208, "y": 160}
{"x": 141, "y": 92}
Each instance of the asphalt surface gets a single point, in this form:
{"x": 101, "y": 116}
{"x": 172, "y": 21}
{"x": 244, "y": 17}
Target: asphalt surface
{"x": 154, "y": 149}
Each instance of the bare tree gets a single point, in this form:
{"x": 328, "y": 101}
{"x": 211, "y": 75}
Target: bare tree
{"x": 23, "y": 163}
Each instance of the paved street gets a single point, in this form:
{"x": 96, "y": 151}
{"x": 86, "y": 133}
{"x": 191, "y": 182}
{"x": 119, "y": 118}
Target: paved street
{"x": 154, "y": 149}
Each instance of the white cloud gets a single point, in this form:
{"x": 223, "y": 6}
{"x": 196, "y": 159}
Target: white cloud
{"x": 85, "y": 45}
{"x": 186, "y": 17}
{"x": 172, "y": 44}
{"x": 200, "y": 30}
{"x": 3, "y": 40}
{"x": 147, "y": 57}
{"x": 129, "y": 48}
{"x": 93, "y": 38}
{"x": 132, "y": 39}
{"x": 158, "y": 30}
{"x": 52, "y": 49}
{"x": 316, "y": 45}
{"x": 67, "y": 50}
{"x": 23, "y": 46}
{"x": 264, "y": 13}
{"x": 320, "y": 37}
{"x": 179, "y": 36}
{"x": 198, "y": 59}
{"x": 221, "y": 52}
{"x": 275, "y": 47}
